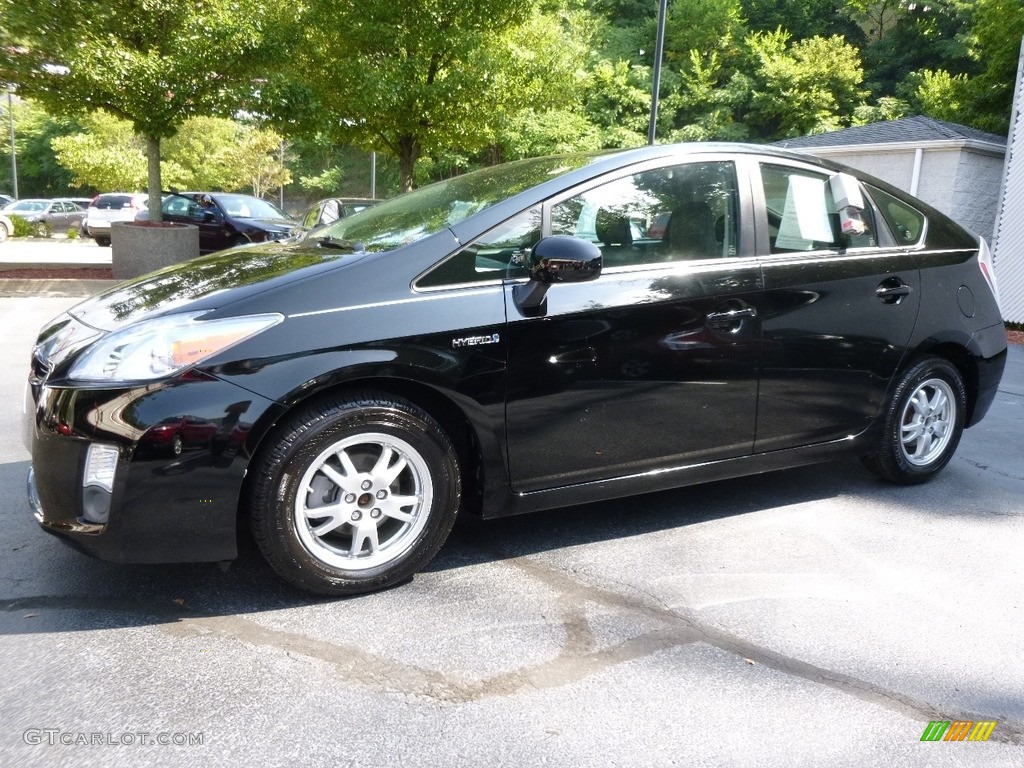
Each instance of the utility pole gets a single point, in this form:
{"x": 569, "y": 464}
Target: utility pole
{"x": 659, "y": 49}
{"x": 373, "y": 175}
{"x": 280, "y": 193}
{"x": 14, "y": 152}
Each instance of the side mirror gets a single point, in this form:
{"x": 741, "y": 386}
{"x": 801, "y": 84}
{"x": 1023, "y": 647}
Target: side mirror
{"x": 210, "y": 216}
{"x": 557, "y": 259}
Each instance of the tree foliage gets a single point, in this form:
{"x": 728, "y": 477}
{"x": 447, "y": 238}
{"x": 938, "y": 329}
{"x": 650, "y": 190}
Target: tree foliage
{"x": 439, "y": 86}
{"x": 206, "y": 153}
{"x": 417, "y": 77}
{"x": 154, "y": 63}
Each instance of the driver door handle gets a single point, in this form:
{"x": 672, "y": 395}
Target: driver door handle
{"x": 729, "y": 319}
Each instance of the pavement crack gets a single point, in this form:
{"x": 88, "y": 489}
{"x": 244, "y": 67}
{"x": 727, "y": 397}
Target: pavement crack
{"x": 688, "y": 628}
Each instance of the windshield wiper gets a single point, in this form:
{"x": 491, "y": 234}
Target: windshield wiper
{"x": 337, "y": 243}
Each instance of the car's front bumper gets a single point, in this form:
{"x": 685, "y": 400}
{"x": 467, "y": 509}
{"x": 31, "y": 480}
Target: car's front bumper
{"x": 161, "y": 508}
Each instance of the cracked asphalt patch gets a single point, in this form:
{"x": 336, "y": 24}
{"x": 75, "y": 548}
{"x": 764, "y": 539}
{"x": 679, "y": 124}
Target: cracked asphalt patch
{"x": 809, "y": 617}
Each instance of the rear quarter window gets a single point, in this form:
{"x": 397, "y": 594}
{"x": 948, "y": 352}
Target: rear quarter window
{"x": 112, "y": 202}
{"x": 907, "y": 223}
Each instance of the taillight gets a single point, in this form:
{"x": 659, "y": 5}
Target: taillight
{"x": 987, "y": 266}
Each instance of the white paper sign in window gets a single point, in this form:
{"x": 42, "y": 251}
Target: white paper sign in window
{"x": 805, "y": 217}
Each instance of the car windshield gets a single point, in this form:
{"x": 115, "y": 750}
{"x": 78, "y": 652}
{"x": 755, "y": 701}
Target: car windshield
{"x": 247, "y": 207}
{"x": 28, "y": 205}
{"x": 423, "y": 212}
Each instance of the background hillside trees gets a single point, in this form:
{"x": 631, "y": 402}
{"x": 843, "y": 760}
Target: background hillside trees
{"x": 436, "y": 87}
{"x": 154, "y": 63}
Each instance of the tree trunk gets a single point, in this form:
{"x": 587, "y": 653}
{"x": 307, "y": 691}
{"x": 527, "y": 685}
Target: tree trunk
{"x": 153, "y": 174}
{"x": 409, "y": 153}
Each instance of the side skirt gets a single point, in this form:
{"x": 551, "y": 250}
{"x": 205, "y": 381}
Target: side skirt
{"x": 682, "y": 476}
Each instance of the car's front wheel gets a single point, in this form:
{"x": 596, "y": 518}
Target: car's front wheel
{"x": 355, "y": 494}
{"x": 923, "y": 423}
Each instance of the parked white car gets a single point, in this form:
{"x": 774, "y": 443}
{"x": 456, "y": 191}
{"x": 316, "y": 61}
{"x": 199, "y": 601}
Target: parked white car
{"x": 6, "y": 227}
{"x": 112, "y": 207}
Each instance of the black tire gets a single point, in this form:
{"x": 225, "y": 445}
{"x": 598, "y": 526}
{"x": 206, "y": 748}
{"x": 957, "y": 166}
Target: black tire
{"x": 102, "y": 242}
{"x": 4, "y": 234}
{"x": 923, "y": 423}
{"x": 380, "y": 530}
{"x": 177, "y": 445}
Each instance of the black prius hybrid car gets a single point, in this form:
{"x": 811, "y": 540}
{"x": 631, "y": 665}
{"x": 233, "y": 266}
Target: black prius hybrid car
{"x": 544, "y": 333}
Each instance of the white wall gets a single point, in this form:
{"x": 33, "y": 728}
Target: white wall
{"x": 961, "y": 182}
{"x": 1008, "y": 247}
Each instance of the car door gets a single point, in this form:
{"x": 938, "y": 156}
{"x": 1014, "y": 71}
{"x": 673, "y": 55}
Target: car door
{"x": 837, "y": 314}
{"x": 654, "y": 364}
{"x": 73, "y": 215}
{"x": 186, "y": 210}
{"x": 53, "y": 215}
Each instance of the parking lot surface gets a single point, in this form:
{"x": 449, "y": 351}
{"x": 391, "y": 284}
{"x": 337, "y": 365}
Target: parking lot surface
{"x": 811, "y": 617}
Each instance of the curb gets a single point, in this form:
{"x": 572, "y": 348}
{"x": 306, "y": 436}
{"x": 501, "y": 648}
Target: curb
{"x": 71, "y": 288}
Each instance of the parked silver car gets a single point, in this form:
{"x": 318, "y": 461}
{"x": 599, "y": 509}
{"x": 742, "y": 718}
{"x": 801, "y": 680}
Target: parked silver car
{"x": 57, "y": 215}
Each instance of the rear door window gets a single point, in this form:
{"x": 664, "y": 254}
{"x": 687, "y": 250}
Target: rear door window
{"x": 802, "y": 215}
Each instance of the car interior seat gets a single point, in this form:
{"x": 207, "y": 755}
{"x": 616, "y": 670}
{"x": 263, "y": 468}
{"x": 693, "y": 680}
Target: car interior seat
{"x": 616, "y": 235}
{"x": 690, "y": 233}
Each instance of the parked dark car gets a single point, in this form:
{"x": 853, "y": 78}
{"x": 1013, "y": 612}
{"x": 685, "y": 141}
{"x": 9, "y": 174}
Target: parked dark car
{"x": 511, "y": 340}
{"x": 226, "y": 220}
{"x": 333, "y": 208}
{"x": 58, "y": 215}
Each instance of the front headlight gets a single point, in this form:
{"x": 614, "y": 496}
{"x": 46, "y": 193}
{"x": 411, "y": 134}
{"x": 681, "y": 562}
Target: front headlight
{"x": 164, "y": 346}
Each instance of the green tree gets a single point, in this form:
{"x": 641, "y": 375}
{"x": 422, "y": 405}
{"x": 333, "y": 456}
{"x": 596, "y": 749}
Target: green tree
{"x": 155, "y": 63}
{"x": 107, "y": 154}
{"x": 931, "y": 35}
{"x": 206, "y": 153}
{"x": 995, "y": 42}
{"x": 803, "y": 18}
{"x": 39, "y": 173}
{"x": 418, "y": 77}
{"x": 808, "y": 86}
{"x": 256, "y": 157}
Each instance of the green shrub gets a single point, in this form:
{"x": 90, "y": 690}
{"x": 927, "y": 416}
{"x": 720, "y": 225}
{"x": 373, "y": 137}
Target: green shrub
{"x": 73, "y": 233}
{"x": 22, "y": 228}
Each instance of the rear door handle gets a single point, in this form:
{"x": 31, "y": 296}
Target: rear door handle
{"x": 893, "y": 290}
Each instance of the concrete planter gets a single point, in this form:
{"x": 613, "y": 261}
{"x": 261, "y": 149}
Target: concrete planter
{"x": 137, "y": 248}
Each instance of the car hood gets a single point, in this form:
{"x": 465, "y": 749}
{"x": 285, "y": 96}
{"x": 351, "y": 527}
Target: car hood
{"x": 277, "y": 225}
{"x": 210, "y": 282}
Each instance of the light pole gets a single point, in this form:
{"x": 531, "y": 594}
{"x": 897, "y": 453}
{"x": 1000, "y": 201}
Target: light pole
{"x": 14, "y": 153}
{"x": 373, "y": 175}
{"x": 659, "y": 48}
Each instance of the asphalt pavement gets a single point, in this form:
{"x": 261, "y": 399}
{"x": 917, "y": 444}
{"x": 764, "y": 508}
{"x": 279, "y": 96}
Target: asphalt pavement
{"x": 810, "y": 617}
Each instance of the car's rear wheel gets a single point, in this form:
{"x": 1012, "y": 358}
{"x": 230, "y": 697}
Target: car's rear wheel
{"x": 102, "y": 242}
{"x": 355, "y": 494}
{"x": 923, "y": 423}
